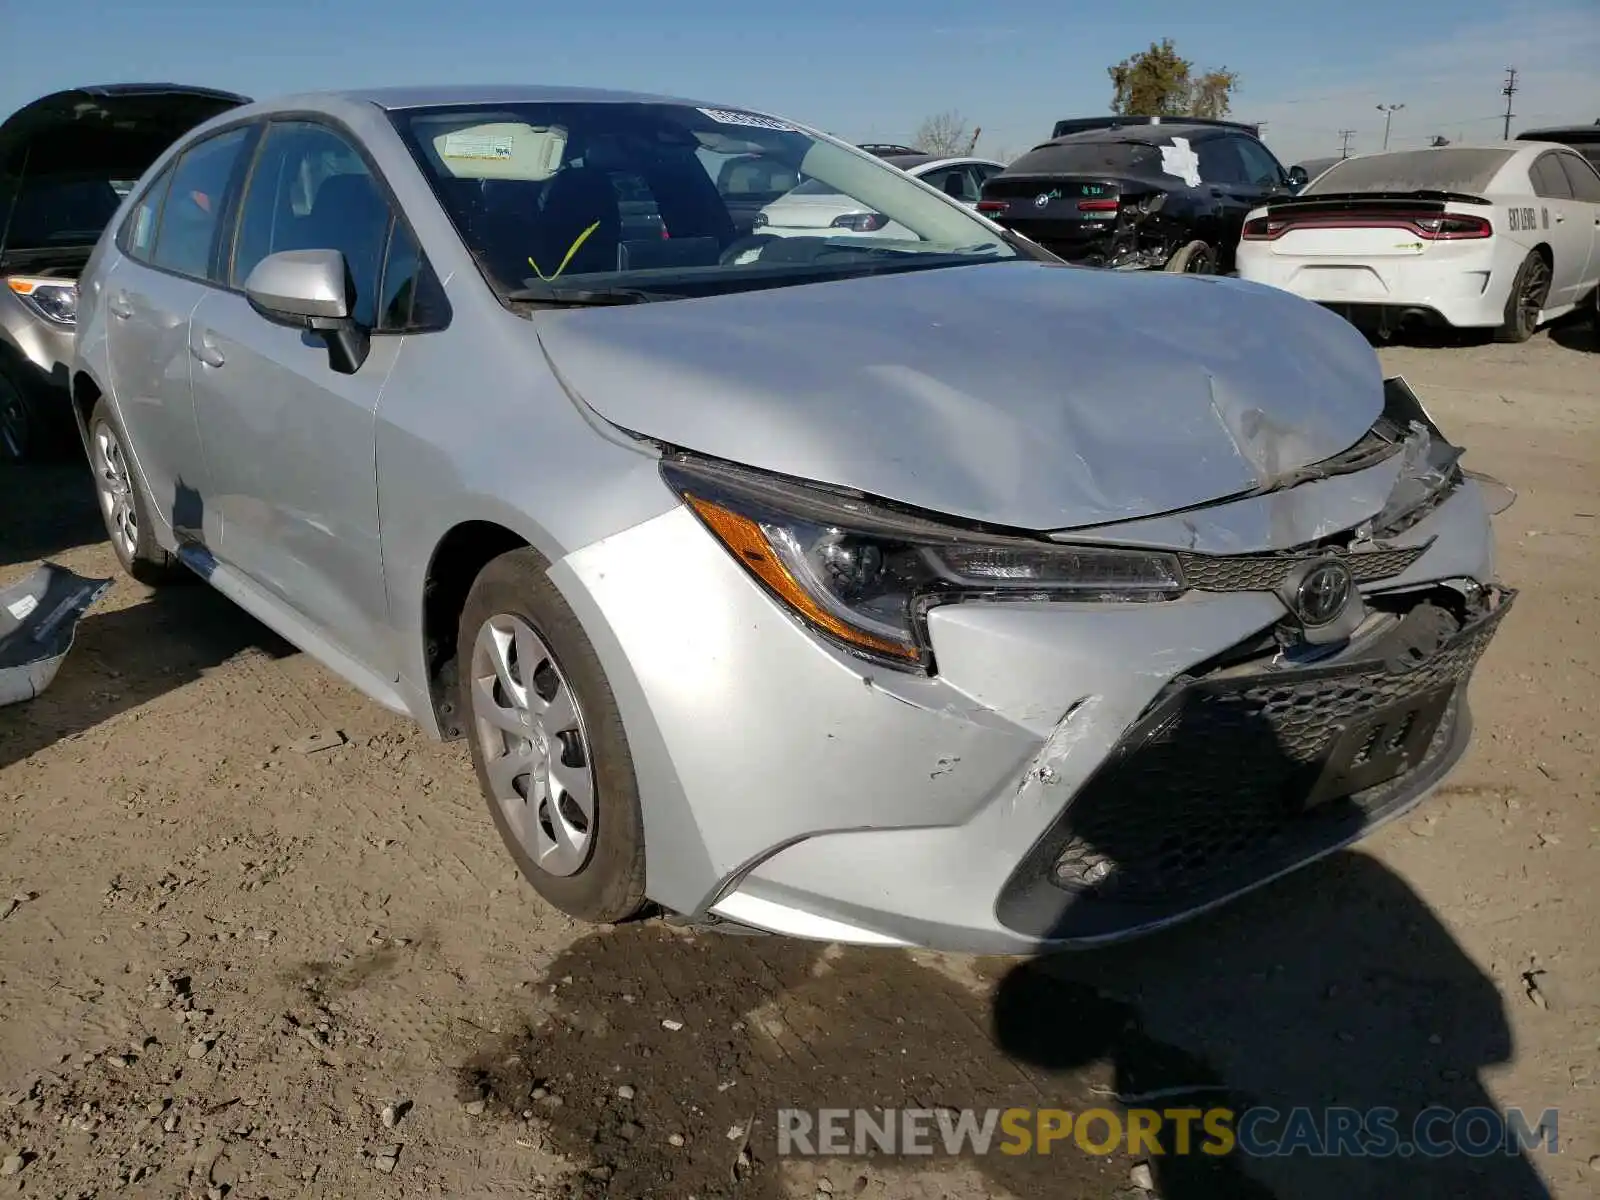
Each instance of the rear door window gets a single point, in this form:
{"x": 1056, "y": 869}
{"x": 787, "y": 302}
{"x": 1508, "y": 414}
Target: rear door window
{"x": 1581, "y": 176}
{"x": 192, "y": 217}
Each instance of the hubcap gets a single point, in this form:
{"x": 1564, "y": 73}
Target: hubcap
{"x": 114, "y": 484}
{"x": 534, "y": 746}
{"x": 13, "y": 423}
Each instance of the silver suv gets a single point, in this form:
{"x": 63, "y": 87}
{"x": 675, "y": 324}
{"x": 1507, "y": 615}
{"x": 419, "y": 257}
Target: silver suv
{"x": 66, "y": 162}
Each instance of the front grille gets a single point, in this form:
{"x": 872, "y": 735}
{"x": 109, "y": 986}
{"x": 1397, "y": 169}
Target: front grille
{"x": 1230, "y": 780}
{"x": 1266, "y": 572}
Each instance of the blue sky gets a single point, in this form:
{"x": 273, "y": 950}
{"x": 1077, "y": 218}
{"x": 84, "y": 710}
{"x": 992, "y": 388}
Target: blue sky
{"x": 861, "y": 70}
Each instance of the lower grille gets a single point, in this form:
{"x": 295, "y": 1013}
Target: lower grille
{"x": 1236, "y": 778}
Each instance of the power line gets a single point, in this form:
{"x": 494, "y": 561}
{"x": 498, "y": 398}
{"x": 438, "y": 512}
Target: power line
{"x": 1344, "y": 142}
{"x": 1508, "y": 91}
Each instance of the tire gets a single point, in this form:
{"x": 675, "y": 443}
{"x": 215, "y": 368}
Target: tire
{"x": 586, "y": 860}
{"x": 1529, "y": 290}
{"x": 1197, "y": 258}
{"x": 124, "y": 507}
{"x": 20, "y": 430}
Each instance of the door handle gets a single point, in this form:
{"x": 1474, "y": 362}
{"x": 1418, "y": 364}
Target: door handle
{"x": 1560, "y": 217}
{"x": 205, "y": 350}
{"x": 119, "y": 307}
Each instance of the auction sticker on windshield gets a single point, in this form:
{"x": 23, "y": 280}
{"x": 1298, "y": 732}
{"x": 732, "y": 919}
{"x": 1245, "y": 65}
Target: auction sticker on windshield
{"x": 728, "y": 116}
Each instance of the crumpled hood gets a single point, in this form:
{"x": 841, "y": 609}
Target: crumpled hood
{"x": 1019, "y": 394}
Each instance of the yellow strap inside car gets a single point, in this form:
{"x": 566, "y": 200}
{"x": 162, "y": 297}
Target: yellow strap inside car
{"x": 571, "y": 250}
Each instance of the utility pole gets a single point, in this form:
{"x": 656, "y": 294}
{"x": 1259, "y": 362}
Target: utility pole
{"x": 1388, "y": 111}
{"x": 1344, "y": 142}
{"x": 1509, "y": 91}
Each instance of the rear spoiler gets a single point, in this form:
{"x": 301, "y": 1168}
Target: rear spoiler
{"x": 1335, "y": 200}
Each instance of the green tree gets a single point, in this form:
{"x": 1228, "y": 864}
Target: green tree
{"x": 1159, "y": 82}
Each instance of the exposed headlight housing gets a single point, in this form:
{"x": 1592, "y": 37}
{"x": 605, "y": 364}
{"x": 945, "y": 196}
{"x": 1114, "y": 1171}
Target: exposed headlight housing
{"x": 864, "y": 575}
{"x": 56, "y": 300}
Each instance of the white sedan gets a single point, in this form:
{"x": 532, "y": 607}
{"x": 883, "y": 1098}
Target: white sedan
{"x": 814, "y": 206}
{"x": 1504, "y": 237}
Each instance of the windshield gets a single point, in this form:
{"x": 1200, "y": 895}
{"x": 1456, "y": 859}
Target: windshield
{"x": 58, "y": 211}
{"x": 579, "y": 201}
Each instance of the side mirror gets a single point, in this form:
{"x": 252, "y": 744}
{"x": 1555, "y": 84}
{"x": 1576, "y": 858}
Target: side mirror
{"x": 1298, "y": 177}
{"x": 311, "y": 290}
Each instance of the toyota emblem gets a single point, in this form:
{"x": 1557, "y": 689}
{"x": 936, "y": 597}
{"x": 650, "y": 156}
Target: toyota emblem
{"x": 1323, "y": 593}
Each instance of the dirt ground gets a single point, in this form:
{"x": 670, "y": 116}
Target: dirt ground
{"x": 238, "y": 965}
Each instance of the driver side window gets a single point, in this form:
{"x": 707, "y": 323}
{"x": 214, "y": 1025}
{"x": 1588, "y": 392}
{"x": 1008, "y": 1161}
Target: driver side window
{"x": 1260, "y": 167}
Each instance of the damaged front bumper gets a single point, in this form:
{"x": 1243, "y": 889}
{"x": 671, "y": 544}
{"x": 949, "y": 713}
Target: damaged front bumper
{"x": 38, "y": 623}
{"x": 789, "y": 788}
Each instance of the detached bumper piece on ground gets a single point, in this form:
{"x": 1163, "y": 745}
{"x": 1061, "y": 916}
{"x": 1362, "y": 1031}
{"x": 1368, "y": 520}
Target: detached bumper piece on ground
{"x": 38, "y": 621}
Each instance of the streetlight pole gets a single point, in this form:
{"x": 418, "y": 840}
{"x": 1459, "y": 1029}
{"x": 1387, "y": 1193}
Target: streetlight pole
{"x": 1388, "y": 111}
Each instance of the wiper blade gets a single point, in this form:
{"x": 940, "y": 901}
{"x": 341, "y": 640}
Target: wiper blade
{"x": 576, "y": 294}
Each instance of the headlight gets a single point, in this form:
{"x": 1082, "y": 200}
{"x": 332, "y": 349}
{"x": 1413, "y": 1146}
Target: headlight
{"x": 864, "y": 575}
{"x": 56, "y": 300}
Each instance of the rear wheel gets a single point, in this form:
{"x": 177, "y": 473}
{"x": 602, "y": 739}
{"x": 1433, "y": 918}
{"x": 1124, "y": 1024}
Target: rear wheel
{"x": 1197, "y": 258}
{"x": 123, "y": 506}
{"x": 1528, "y": 293}
{"x": 547, "y": 743}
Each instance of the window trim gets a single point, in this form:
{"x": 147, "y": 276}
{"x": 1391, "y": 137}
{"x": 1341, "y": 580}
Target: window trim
{"x": 263, "y": 123}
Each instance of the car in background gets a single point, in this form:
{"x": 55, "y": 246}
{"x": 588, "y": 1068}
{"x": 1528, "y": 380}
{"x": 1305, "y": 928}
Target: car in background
{"x": 67, "y": 160}
{"x": 1585, "y": 139}
{"x": 892, "y": 591}
{"x": 1503, "y": 237}
{"x": 1139, "y": 193}
{"x": 813, "y": 204}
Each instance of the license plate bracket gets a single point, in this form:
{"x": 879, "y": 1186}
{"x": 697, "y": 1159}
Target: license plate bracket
{"x": 1380, "y": 746}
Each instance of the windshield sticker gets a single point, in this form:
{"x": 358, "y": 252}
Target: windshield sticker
{"x": 493, "y": 146}
{"x": 728, "y": 116}
{"x": 1178, "y": 159}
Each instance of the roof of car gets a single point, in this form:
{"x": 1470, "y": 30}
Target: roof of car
{"x": 1561, "y": 133}
{"x": 907, "y": 161}
{"x": 515, "y": 93}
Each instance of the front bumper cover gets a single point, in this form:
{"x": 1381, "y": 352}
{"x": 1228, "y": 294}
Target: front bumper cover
{"x": 1229, "y": 782}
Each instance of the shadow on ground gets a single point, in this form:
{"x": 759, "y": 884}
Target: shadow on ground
{"x": 127, "y": 656}
{"x": 46, "y": 508}
{"x": 1336, "y": 987}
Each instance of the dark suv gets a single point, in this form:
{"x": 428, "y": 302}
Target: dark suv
{"x": 1140, "y": 193}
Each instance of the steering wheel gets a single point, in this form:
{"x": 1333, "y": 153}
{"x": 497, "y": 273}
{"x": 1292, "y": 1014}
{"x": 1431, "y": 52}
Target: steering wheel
{"x": 743, "y": 245}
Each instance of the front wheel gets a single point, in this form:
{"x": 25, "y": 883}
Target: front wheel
{"x": 123, "y": 505}
{"x": 547, "y": 743}
{"x": 19, "y": 423}
{"x": 1528, "y": 293}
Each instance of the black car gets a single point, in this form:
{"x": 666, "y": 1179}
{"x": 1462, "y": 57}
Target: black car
{"x": 1140, "y": 193}
{"x": 1585, "y": 139}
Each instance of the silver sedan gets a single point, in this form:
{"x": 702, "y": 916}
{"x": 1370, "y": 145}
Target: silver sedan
{"x": 905, "y": 590}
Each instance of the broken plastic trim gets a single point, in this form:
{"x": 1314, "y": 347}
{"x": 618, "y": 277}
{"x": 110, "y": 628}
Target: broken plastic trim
{"x": 38, "y": 622}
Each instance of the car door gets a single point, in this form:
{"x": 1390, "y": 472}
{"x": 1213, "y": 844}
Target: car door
{"x": 1566, "y": 224}
{"x": 1222, "y": 175}
{"x": 288, "y": 439}
{"x": 169, "y": 243}
{"x": 1585, "y": 182}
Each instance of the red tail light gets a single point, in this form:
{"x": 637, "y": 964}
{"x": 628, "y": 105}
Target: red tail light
{"x": 861, "y": 222}
{"x": 993, "y": 205}
{"x": 1097, "y": 205}
{"x": 1432, "y": 227}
